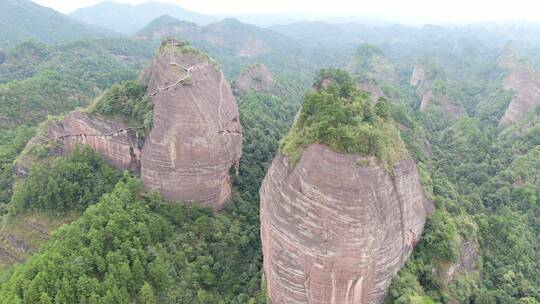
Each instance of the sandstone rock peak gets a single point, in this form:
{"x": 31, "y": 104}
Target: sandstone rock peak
{"x": 197, "y": 136}
{"x": 339, "y": 220}
{"x": 337, "y": 227}
{"x": 195, "y": 139}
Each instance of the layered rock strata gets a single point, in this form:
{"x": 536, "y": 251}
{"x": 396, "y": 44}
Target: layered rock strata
{"x": 196, "y": 137}
{"x": 118, "y": 143}
{"x": 335, "y": 228}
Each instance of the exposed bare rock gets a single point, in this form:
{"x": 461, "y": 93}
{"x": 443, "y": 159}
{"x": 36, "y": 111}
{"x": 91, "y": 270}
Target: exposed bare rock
{"x": 525, "y": 83}
{"x": 468, "y": 253}
{"x": 336, "y": 227}
{"x": 254, "y": 47}
{"x": 115, "y": 141}
{"x": 430, "y": 96}
{"x": 418, "y": 76}
{"x": 255, "y": 78}
{"x": 197, "y": 136}
{"x": 374, "y": 91}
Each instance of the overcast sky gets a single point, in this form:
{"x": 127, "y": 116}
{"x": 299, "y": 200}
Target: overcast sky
{"x": 443, "y": 11}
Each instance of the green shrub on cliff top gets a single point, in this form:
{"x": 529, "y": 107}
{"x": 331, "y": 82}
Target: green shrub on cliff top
{"x": 126, "y": 102}
{"x": 342, "y": 117}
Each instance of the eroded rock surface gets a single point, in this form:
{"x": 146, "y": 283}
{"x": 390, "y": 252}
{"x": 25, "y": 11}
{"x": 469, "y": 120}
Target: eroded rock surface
{"x": 197, "y": 136}
{"x": 115, "y": 141}
{"x": 336, "y": 227}
{"x": 255, "y": 78}
{"x": 424, "y": 88}
{"x": 525, "y": 83}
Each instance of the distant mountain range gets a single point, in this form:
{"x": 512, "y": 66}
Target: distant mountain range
{"x": 128, "y": 19}
{"x": 23, "y": 19}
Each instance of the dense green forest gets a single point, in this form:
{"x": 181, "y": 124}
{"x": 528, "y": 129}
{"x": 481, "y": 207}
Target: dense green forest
{"x": 129, "y": 246}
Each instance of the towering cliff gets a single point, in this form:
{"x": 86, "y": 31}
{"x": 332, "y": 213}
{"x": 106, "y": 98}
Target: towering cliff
{"x": 197, "y": 135}
{"x": 337, "y": 221}
{"x": 179, "y": 128}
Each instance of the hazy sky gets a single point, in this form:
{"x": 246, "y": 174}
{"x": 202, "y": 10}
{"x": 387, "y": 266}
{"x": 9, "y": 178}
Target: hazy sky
{"x": 421, "y": 10}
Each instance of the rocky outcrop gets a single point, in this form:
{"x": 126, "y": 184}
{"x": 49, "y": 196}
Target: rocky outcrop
{"x": 430, "y": 96}
{"x": 336, "y": 227}
{"x": 525, "y": 83}
{"x": 197, "y": 136}
{"x": 255, "y": 78}
{"x": 118, "y": 143}
{"x": 466, "y": 263}
{"x": 418, "y": 76}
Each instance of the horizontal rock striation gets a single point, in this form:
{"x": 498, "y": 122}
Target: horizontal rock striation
{"x": 197, "y": 136}
{"x": 336, "y": 227}
{"x": 116, "y": 142}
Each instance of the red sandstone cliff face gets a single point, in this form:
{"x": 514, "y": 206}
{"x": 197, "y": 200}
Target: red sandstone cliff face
{"x": 195, "y": 140}
{"x": 424, "y": 89}
{"x": 197, "y": 136}
{"x": 115, "y": 141}
{"x": 336, "y": 228}
{"x": 526, "y": 85}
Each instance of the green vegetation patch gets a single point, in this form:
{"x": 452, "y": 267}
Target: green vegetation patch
{"x": 66, "y": 184}
{"x": 127, "y": 103}
{"x": 342, "y": 117}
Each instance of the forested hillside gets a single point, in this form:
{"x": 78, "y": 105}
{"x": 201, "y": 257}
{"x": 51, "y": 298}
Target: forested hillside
{"x": 23, "y": 19}
{"x": 76, "y": 230}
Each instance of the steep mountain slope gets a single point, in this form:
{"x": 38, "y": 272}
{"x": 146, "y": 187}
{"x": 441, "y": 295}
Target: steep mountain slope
{"x": 37, "y": 80}
{"x": 336, "y": 225}
{"x": 230, "y": 35}
{"x": 128, "y": 19}
{"x": 23, "y": 19}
